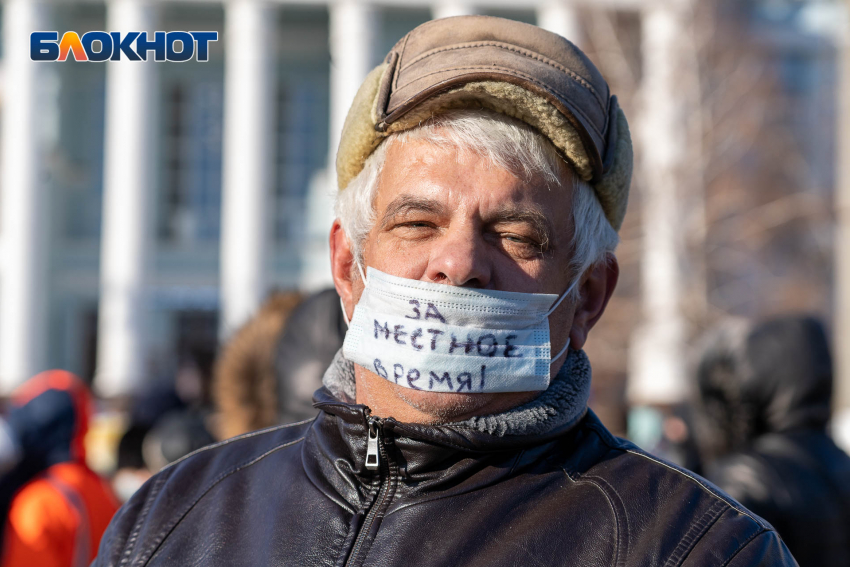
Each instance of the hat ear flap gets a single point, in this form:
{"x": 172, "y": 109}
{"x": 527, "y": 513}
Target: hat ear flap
{"x": 613, "y": 189}
{"x": 359, "y": 137}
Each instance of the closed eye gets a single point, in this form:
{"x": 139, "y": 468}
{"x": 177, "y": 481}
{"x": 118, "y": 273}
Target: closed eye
{"x": 517, "y": 245}
{"x": 413, "y": 230}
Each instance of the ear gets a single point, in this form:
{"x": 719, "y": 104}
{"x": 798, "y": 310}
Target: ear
{"x": 596, "y": 289}
{"x": 342, "y": 264}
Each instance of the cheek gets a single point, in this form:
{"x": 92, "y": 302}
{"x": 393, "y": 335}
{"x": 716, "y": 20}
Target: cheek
{"x": 564, "y": 314}
{"x": 560, "y": 324}
{"x": 396, "y": 258}
{"x": 356, "y": 288}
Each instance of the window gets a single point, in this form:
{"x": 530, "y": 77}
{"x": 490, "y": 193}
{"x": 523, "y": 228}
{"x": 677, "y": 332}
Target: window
{"x": 190, "y": 203}
{"x": 302, "y": 106}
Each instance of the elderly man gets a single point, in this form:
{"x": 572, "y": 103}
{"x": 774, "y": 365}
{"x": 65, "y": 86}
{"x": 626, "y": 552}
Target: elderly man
{"x": 483, "y": 172}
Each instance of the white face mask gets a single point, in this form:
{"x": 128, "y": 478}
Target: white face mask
{"x": 443, "y": 338}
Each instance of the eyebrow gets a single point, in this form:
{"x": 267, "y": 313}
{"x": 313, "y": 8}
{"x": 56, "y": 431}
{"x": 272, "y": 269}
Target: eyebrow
{"x": 404, "y": 204}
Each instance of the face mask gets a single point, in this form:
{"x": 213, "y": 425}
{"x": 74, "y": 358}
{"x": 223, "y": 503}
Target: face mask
{"x": 443, "y": 338}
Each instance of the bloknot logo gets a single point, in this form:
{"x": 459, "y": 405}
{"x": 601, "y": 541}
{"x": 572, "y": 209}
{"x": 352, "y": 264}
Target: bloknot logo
{"x": 99, "y": 46}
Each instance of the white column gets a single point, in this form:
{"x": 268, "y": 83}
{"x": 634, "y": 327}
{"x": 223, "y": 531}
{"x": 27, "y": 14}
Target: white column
{"x": 657, "y": 367}
{"x": 353, "y": 37}
{"x": 249, "y": 94}
{"x": 559, "y": 16}
{"x": 354, "y": 27}
{"x": 128, "y": 185}
{"x": 24, "y": 290}
{"x": 449, "y": 8}
{"x": 841, "y": 344}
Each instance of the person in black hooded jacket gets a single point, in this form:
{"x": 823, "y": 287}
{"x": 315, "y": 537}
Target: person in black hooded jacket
{"x": 765, "y": 398}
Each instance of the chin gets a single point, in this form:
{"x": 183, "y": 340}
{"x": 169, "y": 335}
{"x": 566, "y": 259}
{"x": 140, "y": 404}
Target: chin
{"x": 447, "y": 407}
{"x": 387, "y": 399}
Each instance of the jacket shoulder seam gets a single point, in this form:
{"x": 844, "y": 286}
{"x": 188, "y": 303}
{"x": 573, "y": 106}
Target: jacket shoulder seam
{"x": 744, "y": 544}
{"x": 695, "y": 534}
{"x": 159, "y": 539}
{"x": 702, "y": 485}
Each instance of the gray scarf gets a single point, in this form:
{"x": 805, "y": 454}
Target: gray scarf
{"x": 563, "y": 403}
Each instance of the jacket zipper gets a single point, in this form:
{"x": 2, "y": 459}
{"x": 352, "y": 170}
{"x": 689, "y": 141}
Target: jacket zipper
{"x": 373, "y": 450}
{"x": 376, "y": 459}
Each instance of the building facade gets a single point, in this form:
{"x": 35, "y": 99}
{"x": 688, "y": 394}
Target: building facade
{"x": 148, "y": 208}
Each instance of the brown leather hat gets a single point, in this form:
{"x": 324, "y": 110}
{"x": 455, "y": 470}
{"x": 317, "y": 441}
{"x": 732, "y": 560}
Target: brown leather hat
{"x": 506, "y": 66}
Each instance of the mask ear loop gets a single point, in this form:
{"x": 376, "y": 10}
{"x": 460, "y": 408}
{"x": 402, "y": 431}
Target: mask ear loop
{"x": 341, "y": 304}
{"x": 563, "y": 350}
{"x": 552, "y": 310}
{"x": 344, "y": 316}
{"x": 560, "y": 299}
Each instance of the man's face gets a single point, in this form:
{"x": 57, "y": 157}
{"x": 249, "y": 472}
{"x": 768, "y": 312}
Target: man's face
{"x": 452, "y": 217}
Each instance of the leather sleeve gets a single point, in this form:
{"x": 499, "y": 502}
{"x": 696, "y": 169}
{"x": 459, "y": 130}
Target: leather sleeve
{"x": 765, "y": 550}
{"x": 123, "y": 530}
{"x": 145, "y": 521}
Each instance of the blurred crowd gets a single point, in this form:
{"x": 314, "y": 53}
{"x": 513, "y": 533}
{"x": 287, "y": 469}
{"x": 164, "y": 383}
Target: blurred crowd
{"x": 757, "y": 427}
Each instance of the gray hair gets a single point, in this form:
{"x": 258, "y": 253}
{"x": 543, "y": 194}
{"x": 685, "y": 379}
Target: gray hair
{"x": 508, "y": 144}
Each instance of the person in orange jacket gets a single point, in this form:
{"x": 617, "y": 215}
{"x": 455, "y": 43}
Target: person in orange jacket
{"x": 55, "y": 508}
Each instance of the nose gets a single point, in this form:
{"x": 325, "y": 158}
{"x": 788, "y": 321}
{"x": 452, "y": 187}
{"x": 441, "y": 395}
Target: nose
{"x": 459, "y": 258}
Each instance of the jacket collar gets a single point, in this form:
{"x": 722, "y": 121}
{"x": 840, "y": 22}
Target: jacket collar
{"x": 429, "y": 458}
{"x": 556, "y": 410}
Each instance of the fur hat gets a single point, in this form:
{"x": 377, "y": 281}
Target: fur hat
{"x": 505, "y": 66}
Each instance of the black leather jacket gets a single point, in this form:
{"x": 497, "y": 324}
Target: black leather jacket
{"x": 302, "y": 495}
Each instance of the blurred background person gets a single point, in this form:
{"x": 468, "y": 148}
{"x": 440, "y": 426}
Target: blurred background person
{"x": 268, "y": 371}
{"x": 245, "y": 388}
{"x": 166, "y": 422}
{"x": 174, "y": 436}
{"x": 765, "y": 397}
{"x": 54, "y": 508}
{"x": 313, "y": 335}
{"x": 131, "y": 472}
{"x": 178, "y": 431}
{"x": 146, "y": 410}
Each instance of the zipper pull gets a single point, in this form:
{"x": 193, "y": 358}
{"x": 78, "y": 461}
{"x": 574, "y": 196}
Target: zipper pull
{"x": 373, "y": 455}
